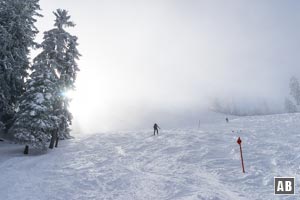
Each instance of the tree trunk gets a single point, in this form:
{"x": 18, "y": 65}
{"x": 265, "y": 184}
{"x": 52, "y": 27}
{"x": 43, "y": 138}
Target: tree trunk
{"x": 26, "y": 150}
{"x": 56, "y": 142}
{"x": 52, "y": 141}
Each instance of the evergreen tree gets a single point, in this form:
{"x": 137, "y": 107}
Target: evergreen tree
{"x": 35, "y": 121}
{"x": 290, "y": 107}
{"x": 295, "y": 89}
{"x": 17, "y": 33}
{"x": 60, "y": 49}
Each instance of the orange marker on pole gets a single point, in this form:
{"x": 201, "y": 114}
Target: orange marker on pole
{"x": 239, "y": 141}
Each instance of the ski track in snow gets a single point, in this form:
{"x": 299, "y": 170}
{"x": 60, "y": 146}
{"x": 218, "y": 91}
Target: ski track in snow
{"x": 178, "y": 164}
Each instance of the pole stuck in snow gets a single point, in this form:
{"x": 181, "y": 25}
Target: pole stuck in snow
{"x": 239, "y": 141}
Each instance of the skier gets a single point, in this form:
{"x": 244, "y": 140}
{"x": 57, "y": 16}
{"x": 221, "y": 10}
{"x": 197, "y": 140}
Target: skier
{"x": 227, "y": 120}
{"x": 156, "y": 127}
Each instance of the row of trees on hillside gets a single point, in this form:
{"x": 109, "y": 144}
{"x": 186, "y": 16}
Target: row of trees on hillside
{"x": 232, "y": 107}
{"x": 291, "y": 104}
{"x": 33, "y": 106}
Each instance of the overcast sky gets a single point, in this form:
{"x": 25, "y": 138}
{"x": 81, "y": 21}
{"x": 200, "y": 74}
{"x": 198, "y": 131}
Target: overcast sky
{"x": 142, "y": 59}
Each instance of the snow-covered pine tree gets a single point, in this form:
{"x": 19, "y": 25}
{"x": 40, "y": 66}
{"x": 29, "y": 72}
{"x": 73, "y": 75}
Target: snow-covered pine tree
{"x": 60, "y": 47}
{"x": 295, "y": 89}
{"x": 36, "y": 121}
{"x": 17, "y": 33}
{"x": 290, "y": 107}
{"x": 6, "y": 110}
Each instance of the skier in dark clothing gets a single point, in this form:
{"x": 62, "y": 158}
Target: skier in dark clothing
{"x": 227, "y": 120}
{"x": 156, "y": 127}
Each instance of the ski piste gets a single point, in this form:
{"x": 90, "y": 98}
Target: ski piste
{"x": 177, "y": 164}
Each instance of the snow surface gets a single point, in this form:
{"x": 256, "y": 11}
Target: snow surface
{"x": 178, "y": 164}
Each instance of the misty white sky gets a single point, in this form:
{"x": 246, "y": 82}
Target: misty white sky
{"x": 147, "y": 60}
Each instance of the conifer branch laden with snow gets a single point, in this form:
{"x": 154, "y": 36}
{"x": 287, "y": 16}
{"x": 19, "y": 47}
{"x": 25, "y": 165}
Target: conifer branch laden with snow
{"x": 17, "y": 34}
{"x": 35, "y": 120}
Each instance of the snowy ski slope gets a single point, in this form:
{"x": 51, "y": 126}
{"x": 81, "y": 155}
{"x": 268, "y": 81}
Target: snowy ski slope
{"x": 178, "y": 164}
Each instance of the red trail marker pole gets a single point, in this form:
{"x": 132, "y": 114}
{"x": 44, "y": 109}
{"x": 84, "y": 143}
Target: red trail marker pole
{"x": 239, "y": 141}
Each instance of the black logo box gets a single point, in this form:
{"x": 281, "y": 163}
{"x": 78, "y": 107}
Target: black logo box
{"x": 284, "y": 185}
